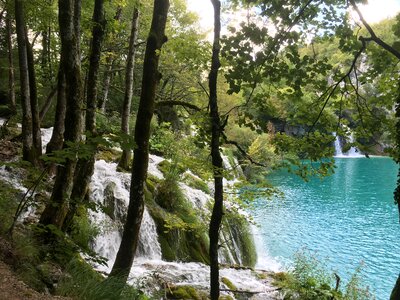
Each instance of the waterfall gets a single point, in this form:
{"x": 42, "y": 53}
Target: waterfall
{"x": 353, "y": 152}
{"x": 110, "y": 190}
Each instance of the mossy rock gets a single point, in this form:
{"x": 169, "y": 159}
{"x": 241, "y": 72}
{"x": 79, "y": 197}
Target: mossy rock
{"x": 181, "y": 232}
{"x": 229, "y": 284}
{"x": 196, "y": 183}
{"x": 185, "y": 292}
{"x": 107, "y": 154}
{"x": 7, "y": 207}
{"x": 237, "y": 228}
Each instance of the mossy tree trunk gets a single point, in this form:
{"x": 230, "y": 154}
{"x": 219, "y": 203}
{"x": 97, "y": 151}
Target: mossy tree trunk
{"x": 11, "y": 73}
{"x": 85, "y": 166}
{"x": 216, "y": 128}
{"x": 69, "y": 23}
{"x": 37, "y": 138}
{"x": 28, "y": 148}
{"x": 126, "y": 107}
{"x": 151, "y": 77}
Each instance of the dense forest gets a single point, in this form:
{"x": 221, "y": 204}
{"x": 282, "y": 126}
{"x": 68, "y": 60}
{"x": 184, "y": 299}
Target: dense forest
{"x": 127, "y": 83}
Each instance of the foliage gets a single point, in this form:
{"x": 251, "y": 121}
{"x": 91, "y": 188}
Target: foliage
{"x": 309, "y": 279}
{"x": 82, "y": 282}
{"x": 7, "y": 207}
{"x": 83, "y": 232}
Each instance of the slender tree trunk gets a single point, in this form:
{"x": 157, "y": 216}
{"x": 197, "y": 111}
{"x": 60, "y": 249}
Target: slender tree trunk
{"x": 110, "y": 61}
{"x": 37, "y": 138}
{"x": 69, "y": 23}
{"x": 28, "y": 149}
{"x": 126, "y": 108}
{"x": 57, "y": 137}
{"x": 217, "y": 213}
{"x": 106, "y": 86}
{"x": 85, "y": 167}
{"x": 47, "y": 104}
{"x": 11, "y": 76}
{"x": 151, "y": 77}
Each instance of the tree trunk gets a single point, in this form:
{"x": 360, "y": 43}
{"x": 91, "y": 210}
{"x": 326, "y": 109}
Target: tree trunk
{"x": 37, "y": 138}
{"x": 106, "y": 86}
{"x": 108, "y": 73}
{"x": 28, "y": 149}
{"x": 85, "y": 167}
{"x": 395, "y": 295}
{"x": 57, "y": 137}
{"x": 217, "y": 213}
{"x": 126, "y": 108}
{"x": 11, "y": 76}
{"x": 47, "y": 104}
{"x": 151, "y": 77}
{"x": 69, "y": 23}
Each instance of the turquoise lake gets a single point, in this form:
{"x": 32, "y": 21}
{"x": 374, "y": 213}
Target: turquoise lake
{"x": 348, "y": 218}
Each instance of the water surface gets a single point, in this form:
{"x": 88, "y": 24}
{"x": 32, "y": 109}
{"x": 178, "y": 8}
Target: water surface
{"x": 348, "y": 218}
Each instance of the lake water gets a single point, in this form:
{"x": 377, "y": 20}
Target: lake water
{"x": 348, "y": 218}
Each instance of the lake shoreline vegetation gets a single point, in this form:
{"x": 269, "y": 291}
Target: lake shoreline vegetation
{"x": 133, "y": 143}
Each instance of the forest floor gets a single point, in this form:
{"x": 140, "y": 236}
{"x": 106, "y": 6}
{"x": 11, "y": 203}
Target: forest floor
{"x": 12, "y": 288}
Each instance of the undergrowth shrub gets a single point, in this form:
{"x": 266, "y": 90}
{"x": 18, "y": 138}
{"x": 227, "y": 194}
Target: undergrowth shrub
{"x": 309, "y": 279}
{"x": 83, "y": 283}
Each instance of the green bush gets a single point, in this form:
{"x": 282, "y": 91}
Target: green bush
{"x": 83, "y": 232}
{"x": 83, "y": 283}
{"x": 310, "y": 280}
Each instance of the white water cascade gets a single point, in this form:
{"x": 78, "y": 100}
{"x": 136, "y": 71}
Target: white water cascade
{"x": 148, "y": 266}
{"x": 353, "y": 152}
{"x": 110, "y": 191}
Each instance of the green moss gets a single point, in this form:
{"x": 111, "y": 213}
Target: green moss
{"x": 185, "y": 292}
{"x": 228, "y": 283}
{"x": 107, "y": 154}
{"x": 226, "y": 297}
{"x": 7, "y": 205}
{"x": 235, "y": 226}
{"x": 196, "y": 183}
{"x": 181, "y": 232}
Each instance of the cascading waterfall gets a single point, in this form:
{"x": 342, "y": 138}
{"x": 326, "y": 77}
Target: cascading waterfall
{"x": 353, "y": 152}
{"x": 110, "y": 191}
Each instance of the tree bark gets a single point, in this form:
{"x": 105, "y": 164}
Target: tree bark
{"x": 85, "y": 167}
{"x": 126, "y": 108}
{"x": 47, "y": 104}
{"x": 37, "y": 138}
{"x": 28, "y": 149}
{"x": 108, "y": 73}
{"x": 216, "y": 129}
{"x": 11, "y": 76}
{"x": 151, "y": 77}
{"x": 69, "y": 23}
{"x": 57, "y": 137}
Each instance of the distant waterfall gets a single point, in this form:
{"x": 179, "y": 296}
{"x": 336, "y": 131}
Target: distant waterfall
{"x": 338, "y": 147}
{"x": 353, "y": 152}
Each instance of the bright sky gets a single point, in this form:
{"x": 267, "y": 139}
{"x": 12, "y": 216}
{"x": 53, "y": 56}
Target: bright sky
{"x": 375, "y": 11}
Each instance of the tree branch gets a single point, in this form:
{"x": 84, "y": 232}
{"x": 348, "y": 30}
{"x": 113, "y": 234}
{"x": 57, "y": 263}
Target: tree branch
{"x": 180, "y": 103}
{"x": 373, "y": 37}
